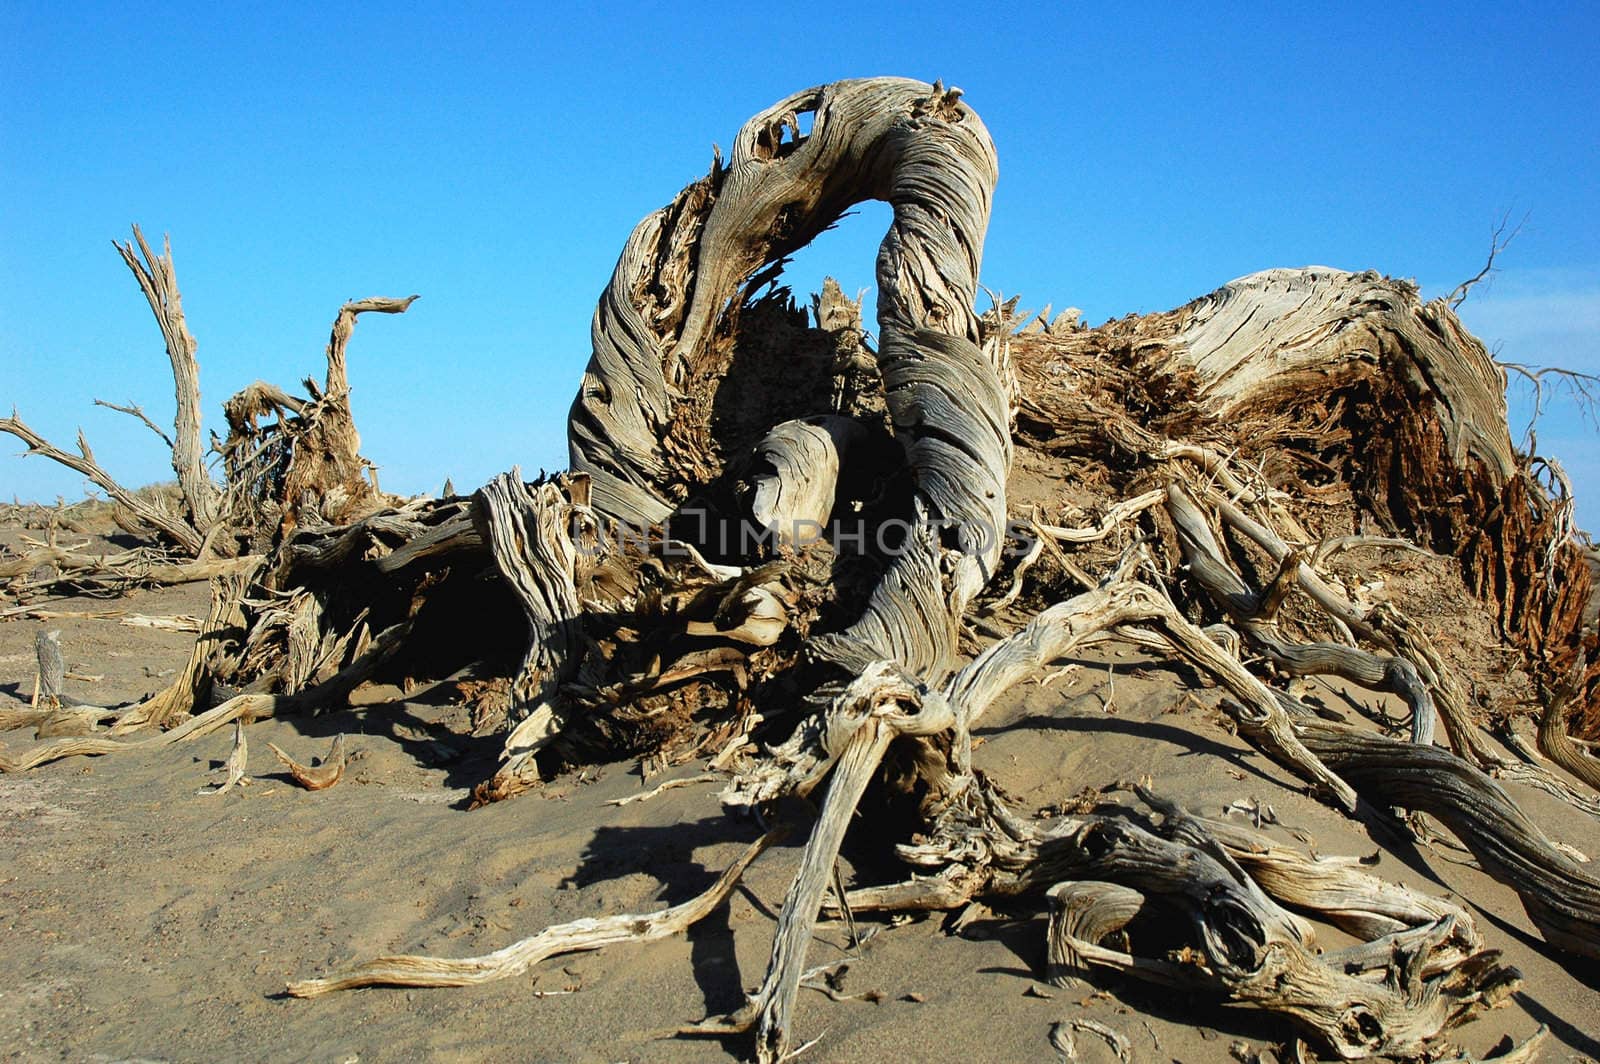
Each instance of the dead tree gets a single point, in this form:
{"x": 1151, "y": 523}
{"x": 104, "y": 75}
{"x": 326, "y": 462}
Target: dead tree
{"x": 818, "y": 564}
{"x": 159, "y": 281}
{"x": 187, "y": 530}
{"x": 303, "y": 466}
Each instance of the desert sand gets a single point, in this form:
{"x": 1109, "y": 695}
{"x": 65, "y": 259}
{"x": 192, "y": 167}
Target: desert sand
{"x": 143, "y": 920}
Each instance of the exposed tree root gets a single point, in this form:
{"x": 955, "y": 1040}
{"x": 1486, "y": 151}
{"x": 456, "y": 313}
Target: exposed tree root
{"x": 238, "y": 708}
{"x": 1255, "y": 952}
{"x": 1555, "y": 743}
{"x": 1561, "y": 896}
{"x": 778, "y": 548}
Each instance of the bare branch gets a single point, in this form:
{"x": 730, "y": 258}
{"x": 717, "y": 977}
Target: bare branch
{"x": 175, "y": 528}
{"x": 135, "y": 410}
{"x": 344, "y": 324}
{"x": 1499, "y": 240}
{"x": 1584, "y": 389}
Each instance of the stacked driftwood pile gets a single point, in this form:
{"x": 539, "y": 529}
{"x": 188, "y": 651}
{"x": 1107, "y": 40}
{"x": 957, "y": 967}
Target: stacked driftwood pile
{"x": 815, "y": 560}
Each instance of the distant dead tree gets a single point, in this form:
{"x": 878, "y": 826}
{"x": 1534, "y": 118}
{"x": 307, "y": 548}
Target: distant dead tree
{"x": 306, "y": 458}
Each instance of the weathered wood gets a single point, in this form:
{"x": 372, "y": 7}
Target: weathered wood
{"x": 139, "y": 567}
{"x": 1110, "y": 520}
{"x": 51, "y": 672}
{"x": 1432, "y": 970}
{"x": 158, "y": 279}
{"x": 796, "y": 497}
{"x": 1286, "y": 363}
{"x": 681, "y": 403}
{"x": 1082, "y": 913}
{"x": 773, "y": 1004}
{"x": 874, "y": 709}
{"x": 220, "y": 630}
{"x": 237, "y": 765}
{"x": 318, "y": 777}
{"x": 327, "y": 469}
{"x": 1390, "y": 631}
{"x": 908, "y": 618}
{"x": 1258, "y": 954}
{"x": 173, "y": 526}
{"x": 1269, "y": 726}
{"x": 529, "y": 529}
{"x": 1337, "y": 889}
{"x": 1554, "y": 742}
{"x": 248, "y": 706}
{"x": 1561, "y": 896}
{"x": 134, "y": 410}
{"x": 1283, "y": 332}
{"x": 575, "y": 937}
{"x": 919, "y": 148}
{"x": 1391, "y": 673}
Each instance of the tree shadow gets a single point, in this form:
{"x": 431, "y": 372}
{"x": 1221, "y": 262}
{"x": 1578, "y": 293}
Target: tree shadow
{"x": 1390, "y": 834}
{"x": 1193, "y": 743}
{"x": 466, "y": 759}
{"x": 1564, "y": 1032}
{"x": 1023, "y": 932}
{"x": 1582, "y": 969}
{"x": 667, "y": 853}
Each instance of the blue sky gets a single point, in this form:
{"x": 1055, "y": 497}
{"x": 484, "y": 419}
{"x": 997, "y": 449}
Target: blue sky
{"x": 494, "y": 158}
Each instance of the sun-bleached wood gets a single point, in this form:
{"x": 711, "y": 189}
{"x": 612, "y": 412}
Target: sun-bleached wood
{"x": 158, "y": 280}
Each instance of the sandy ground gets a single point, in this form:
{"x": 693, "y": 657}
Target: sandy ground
{"x": 141, "y": 920}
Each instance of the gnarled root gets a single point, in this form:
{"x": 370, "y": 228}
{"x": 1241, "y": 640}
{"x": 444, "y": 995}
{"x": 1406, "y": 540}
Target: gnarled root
{"x": 1232, "y": 884}
{"x": 1561, "y": 896}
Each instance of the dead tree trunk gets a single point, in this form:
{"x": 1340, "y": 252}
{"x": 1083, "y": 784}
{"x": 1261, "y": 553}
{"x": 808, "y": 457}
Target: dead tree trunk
{"x": 158, "y": 279}
{"x": 327, "y": 474}
{"x": 51, "y": 671}
{"x": 186, "y": 530}
{"x": 1240, "y": 455}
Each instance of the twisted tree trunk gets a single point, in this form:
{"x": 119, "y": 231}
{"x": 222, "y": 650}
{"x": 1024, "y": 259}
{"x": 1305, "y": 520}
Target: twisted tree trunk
{"x": 670, "y": 606}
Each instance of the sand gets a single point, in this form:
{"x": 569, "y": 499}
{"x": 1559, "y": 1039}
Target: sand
{"x": 142, "y": 920}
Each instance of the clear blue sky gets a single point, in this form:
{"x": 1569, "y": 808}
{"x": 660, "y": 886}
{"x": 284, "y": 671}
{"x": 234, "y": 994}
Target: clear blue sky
{"x": 494, "y": 158}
